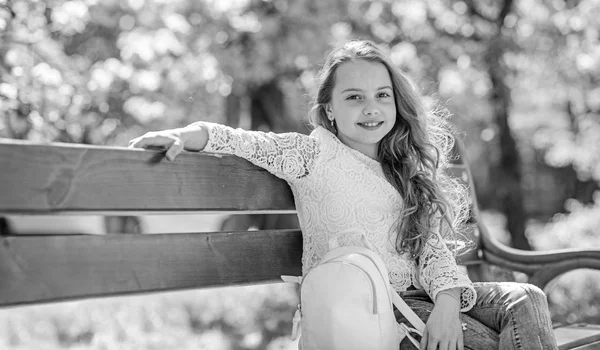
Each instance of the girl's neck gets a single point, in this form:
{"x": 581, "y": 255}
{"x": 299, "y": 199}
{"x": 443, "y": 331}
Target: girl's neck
{"x": 368, "y": 150}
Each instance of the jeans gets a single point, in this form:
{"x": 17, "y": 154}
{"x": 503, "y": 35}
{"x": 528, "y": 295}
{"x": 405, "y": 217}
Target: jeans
{"x": 506, "y": 315}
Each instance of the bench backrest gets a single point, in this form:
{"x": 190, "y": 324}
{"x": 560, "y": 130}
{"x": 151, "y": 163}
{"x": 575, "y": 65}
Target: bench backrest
{"x": 55, "y": 179}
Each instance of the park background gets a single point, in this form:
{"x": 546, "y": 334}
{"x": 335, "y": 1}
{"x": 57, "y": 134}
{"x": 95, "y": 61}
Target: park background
{"x": 521, "y": 79}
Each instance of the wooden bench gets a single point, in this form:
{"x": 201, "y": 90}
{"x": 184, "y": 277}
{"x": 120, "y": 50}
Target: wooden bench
{"x": 55, "y": 179}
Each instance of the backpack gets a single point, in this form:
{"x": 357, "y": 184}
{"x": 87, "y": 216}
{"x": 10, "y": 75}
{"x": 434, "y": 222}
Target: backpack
{"x": 346, "y": 303}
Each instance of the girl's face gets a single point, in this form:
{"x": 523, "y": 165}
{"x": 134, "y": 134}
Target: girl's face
{"x": 362, "y": 105}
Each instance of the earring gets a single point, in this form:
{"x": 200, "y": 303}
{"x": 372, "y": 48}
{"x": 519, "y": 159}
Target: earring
{"x": 331, "y": 120}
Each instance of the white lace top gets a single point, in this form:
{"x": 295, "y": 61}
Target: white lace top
{"x": 340, "y": 192}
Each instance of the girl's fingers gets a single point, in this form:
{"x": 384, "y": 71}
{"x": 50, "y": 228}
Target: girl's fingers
{"x": 146, "y": 141}
{"x": 431, "y": 345}
{"x": 423, "y": 344}
{"x": 460, "y": 345}
{"x": 133, "y": 143}
{"x": 175, "y": 149}
{"x": 172, "y": 143}
{"x": 149, "y": 140}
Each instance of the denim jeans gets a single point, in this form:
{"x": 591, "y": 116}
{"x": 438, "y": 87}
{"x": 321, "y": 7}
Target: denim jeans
{"x": 506, "y": 315}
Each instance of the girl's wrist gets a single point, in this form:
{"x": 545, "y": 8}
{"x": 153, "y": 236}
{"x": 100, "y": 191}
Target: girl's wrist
{"x": 448, "y": 297}
{"x": 193, "y": 136}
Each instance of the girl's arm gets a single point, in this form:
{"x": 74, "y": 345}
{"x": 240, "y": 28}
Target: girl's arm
{"x": 289, "y": 156}
{"x": 439, "y": 272}
{"x": 451, "y": 290}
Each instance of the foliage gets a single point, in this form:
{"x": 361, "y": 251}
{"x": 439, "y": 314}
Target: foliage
{"x": 99, "y": 72}
{"x": 561, "y": 74}
{"x": 253, "y": 317}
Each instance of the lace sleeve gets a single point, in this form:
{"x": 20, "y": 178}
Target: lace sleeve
{"x": 289, "y": 156}
{"x": 438, "y": 271}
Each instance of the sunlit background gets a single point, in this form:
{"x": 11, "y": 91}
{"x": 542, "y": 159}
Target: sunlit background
{"x": 522, "y": 79}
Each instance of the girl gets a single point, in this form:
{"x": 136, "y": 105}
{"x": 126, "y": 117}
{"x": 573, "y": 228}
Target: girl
{"x": 371, "y": 174}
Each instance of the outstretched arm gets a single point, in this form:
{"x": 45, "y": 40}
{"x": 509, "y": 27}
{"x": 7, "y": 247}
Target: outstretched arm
{"x": 289, "y": 156}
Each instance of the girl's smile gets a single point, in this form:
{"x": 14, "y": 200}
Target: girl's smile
{"x": 370, "y": 125}
{"x": 362, "y": 105}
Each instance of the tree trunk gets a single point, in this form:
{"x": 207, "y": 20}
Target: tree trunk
{"x": 268, "y": 109}
{"x": 508, "y": 170}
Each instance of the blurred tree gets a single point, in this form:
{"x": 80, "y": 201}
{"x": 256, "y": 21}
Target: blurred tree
{"x": 483, "y": 26}
{"x": 563, "y": 66}
{"x": 507, "y": 171}
{"x": 266, "y": 50}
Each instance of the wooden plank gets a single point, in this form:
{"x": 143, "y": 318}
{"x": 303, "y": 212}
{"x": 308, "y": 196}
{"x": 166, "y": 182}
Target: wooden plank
{"x": 591, "y": 346}
{"x": 578, "y": 336}
{"x": 50, "y": 178}
{"x": 50, "y": 268}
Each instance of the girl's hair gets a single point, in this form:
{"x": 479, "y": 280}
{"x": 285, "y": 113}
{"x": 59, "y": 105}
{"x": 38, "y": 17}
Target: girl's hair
{"x": 413, "y": 154}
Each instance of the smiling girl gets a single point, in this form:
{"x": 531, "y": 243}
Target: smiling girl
{"x": 371, "y": 174}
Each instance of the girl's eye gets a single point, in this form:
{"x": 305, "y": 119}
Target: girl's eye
{"x": 353, "y": 97}
{"x": 383, "y": 95}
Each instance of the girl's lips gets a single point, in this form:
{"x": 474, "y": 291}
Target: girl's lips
{"x": 370, "y": 125}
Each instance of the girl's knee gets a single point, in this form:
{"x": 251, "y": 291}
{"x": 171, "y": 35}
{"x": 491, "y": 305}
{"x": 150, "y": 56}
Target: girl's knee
{"x": 526, "y": 296}
{"x": 510, "y": 294}
{"x": 535, "y": 293}
{"x": 533, "y": 290}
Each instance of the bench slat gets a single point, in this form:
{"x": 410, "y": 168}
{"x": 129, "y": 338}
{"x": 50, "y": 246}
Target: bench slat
{"x": 69, "y": 178}
{"x": 578, "y": 336}
{"x": 51, "y": 268}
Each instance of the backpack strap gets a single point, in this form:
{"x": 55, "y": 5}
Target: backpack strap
{"x": 407, "y": 312}
{"x": 410, "y": 316}
{"x": 406, "y": 330}
{"x": 296, "y": 325}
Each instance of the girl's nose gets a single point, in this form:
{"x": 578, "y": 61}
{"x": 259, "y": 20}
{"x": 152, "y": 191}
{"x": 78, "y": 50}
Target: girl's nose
{"x": 370, "y": 109}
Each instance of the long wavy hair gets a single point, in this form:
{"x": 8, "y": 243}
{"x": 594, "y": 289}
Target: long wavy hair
{"x": 413, "y": 154}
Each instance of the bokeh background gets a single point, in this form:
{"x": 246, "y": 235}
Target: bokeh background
{"x": 520, "y": 77}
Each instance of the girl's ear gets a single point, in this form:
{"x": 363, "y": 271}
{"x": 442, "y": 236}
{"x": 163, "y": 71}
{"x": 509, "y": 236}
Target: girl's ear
{"x": 329, "y": 111}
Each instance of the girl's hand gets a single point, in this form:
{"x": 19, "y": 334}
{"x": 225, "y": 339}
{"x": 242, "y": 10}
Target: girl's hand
{"x": 167, "y": 139}
{"x": 191, "y": 138}
{"x": 443, "y": 330}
